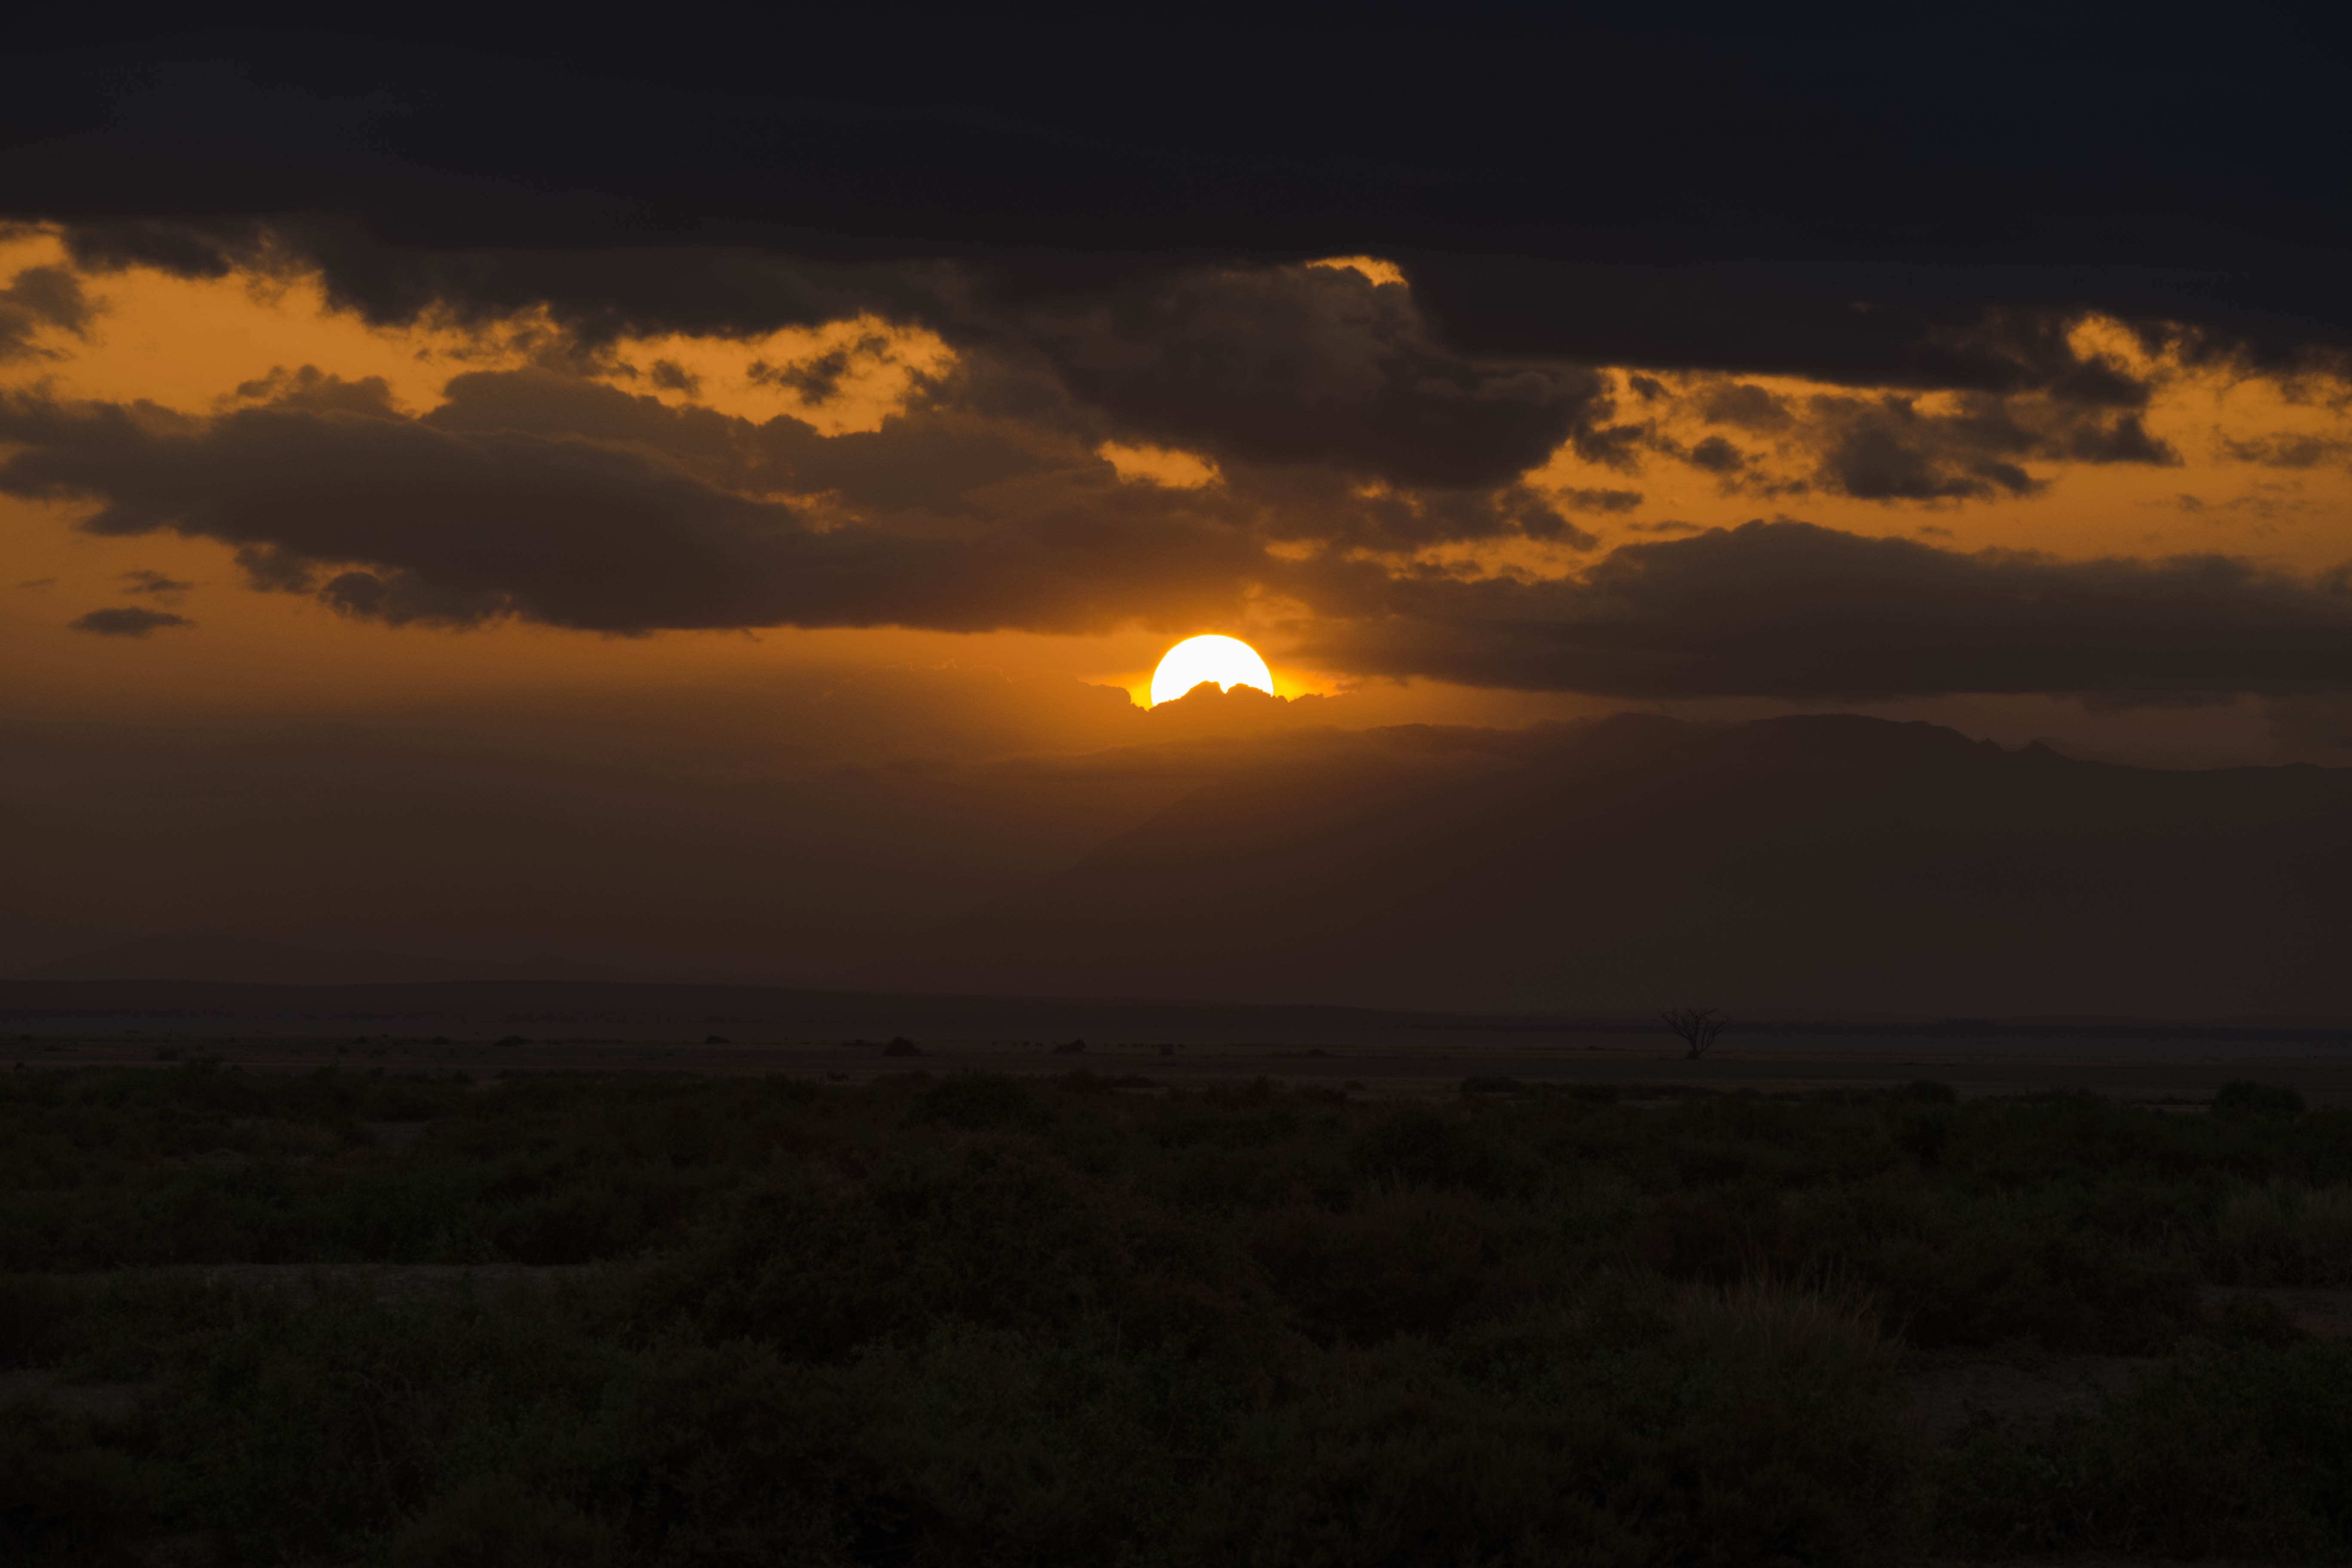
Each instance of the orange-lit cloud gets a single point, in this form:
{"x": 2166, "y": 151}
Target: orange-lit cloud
{"x": 1371, "y": 267}
{"x": 1157, "y": 466}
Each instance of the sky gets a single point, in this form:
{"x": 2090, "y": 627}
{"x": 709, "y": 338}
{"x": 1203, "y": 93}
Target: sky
{"x": 507, "y": 423}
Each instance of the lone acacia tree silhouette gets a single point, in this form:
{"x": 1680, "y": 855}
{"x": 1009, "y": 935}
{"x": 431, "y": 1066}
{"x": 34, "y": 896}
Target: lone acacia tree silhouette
{"x": 1698, "y": 1026}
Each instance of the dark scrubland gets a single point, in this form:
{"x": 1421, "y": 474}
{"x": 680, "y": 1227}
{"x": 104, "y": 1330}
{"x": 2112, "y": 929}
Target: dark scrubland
{"x": 979, "y": 1319}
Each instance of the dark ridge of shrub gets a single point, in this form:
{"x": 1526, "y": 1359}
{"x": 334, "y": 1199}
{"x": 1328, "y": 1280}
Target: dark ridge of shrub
{"x": 2238, "y": 1453}
{"x": 2261, "y": 1098}
{"x": 1082, "y": 1081}
{"x": 974, "y": 1101}
{"x": 1495, "y": 1086}
{"x": 818, "y": 1269}
{"x": 496, "y": 1521}
{"x": 69, "y": 1496}
{"x": 1422, "y": 1148}
{"x": 2251, "y": 1321}
{"x": 1923, "y": 1138}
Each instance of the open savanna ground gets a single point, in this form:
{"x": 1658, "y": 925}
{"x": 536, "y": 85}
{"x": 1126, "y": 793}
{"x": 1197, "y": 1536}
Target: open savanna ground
{"x": 951, "y": 1317}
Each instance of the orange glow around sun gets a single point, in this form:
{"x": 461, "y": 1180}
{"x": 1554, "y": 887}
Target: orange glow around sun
{"x": 1228, "y": 661}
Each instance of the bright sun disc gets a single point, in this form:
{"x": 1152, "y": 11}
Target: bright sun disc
{"x": 1228, "y": 661}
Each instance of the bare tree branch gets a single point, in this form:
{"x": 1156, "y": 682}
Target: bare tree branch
{"x": 1697, "y": 1026}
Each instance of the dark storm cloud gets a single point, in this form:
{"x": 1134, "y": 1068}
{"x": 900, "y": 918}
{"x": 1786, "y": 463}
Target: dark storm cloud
{"x": 1716, "y": 455}
{"x": 2285, "y": 451}
{"x": 128, "y": 621}
{"x": 1604, "y": 500}
{"x": 598, "y": 289}
{"x": 40, "y": 298}
{"x": 313, "y": 389}
{"x": 629, "y": 524}
{"x": 1748, "y": 407}
{"x": 1618, "y": 447}
{"x": 1297, "y": 365}
{"x": 819, "y": 380}
{"x": 928, "y": 461}
{"x": 1797, "y": 200}
{"x": 1794, "y": 610}
{"x": 1316, "y": 366}
{"x": 1886, "y": 449}
{"x": 535, "y": 494}
{"x": 1321, "y": 508}
{"x": 1969, "y": 445}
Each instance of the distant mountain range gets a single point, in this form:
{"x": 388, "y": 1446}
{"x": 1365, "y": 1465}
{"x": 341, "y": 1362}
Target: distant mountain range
{"x": 1829, "y": 865}
{"x": 218, "y": 956}
{"x": 1814, "y": 867}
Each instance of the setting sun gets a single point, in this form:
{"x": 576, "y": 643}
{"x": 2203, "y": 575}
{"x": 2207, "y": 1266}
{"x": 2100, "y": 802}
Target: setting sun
{"x": 1228, "y": 661}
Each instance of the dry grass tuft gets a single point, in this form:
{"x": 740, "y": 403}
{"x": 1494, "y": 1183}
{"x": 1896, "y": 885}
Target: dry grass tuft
{"x": 1798, "y": 1320}
{"x": 2285, "y": 1234}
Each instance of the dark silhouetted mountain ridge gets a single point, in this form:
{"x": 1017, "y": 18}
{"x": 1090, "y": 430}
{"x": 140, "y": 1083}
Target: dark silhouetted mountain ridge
{"x": 216, "y": 956}
{"x": 1824, "y": 865}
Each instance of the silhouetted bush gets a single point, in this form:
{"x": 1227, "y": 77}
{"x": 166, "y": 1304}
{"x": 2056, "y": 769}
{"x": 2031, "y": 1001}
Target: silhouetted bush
{"x": 975, "y": 1100}
{"x": 1495, "y": 1086}
{"x": 1417, "y": 1147}
{"x": 2233, "y": 1453}
{"x": 69, "y": 1496}
{"x": 2241, "y": 1095}
{"x": 2284, "y": 1233}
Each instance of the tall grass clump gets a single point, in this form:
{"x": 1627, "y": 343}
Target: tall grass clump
{"x": 2283, "y": 1233}
{"x": 1836, "y": 1322}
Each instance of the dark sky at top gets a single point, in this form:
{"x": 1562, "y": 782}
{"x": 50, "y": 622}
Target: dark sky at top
{"x": 1877, "y": 194}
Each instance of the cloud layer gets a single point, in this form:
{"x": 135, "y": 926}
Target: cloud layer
{"x": 1789, "y": 609}
{"x": 1724, "y": 188}
{"x": 127, "y": 621}
{"x": 555, "y": 499}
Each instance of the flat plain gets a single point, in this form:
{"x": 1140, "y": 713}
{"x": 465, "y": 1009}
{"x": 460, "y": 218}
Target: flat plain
{"x": 542, "y": 1285}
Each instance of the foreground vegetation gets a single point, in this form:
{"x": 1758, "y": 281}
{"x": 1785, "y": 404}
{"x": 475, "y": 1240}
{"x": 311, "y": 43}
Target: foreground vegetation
{"x": 974, "y": 1320}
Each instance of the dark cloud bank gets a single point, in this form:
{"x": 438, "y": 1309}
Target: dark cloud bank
{"x": 127, "y": 621}
{"x": 1792, "y": 609}
{"x": 40, "y": 299}
{"x": 1881, "y": 195}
